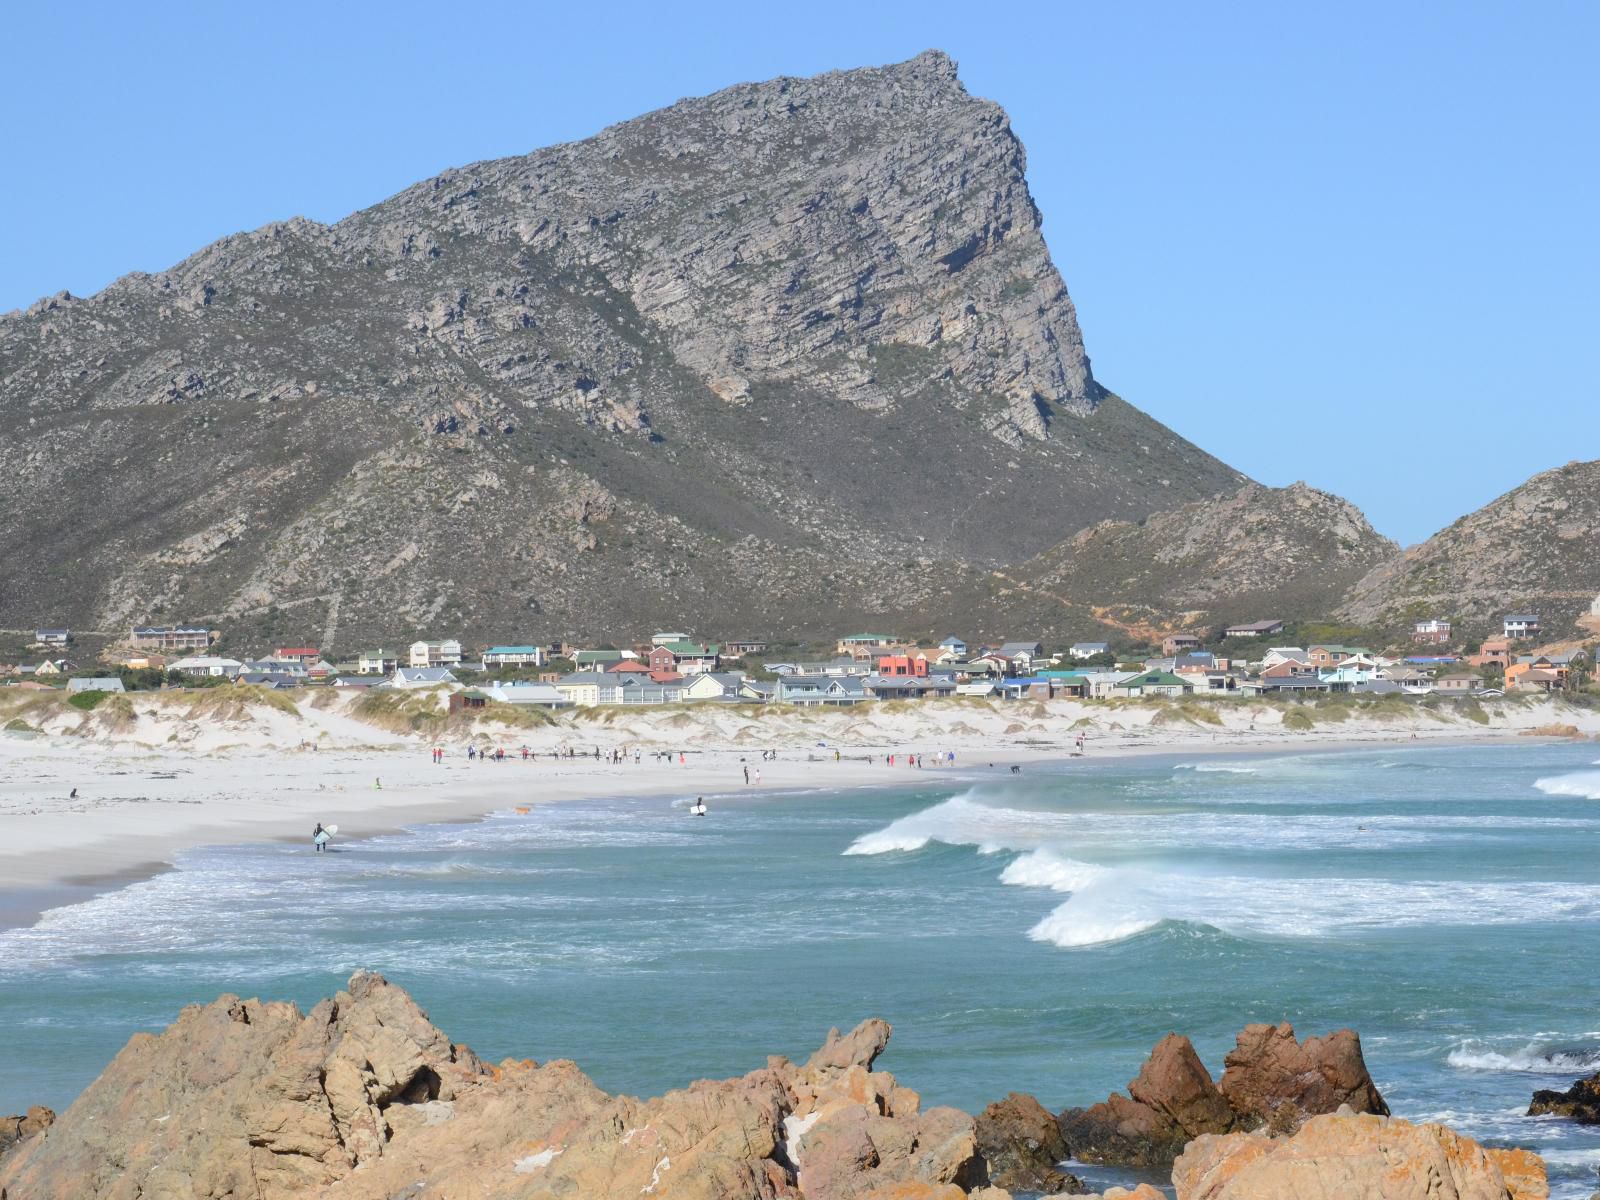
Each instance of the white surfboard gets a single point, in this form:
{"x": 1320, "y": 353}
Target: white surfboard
{"x": 331, "y": 828}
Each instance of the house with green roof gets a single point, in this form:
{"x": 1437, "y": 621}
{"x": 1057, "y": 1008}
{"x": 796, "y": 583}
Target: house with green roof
{"x": 496, "y": 657}
{"x": 863, "y": 645}
{"x": 686, "y": 658}
{"x": 1154, "y": 683}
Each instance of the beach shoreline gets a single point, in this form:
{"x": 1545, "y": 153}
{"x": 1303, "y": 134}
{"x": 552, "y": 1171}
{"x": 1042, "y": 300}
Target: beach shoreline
{"x": 59, "y": 850}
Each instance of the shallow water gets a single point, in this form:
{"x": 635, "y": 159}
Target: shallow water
{"x": 1037, "y": 933}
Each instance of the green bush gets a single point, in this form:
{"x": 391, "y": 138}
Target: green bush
{"x": 87, "y": 701}
{"x": 1298, "y": 719}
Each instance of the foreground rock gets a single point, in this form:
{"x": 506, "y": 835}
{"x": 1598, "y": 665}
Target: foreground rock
{"x": 1352, "y": 1156}
{"x": 1580, "y": 1102}
{"x": 1270, "y": 1078}
{"x": 363, "y": 1098}
{"x": 1022, "y": 1144}
{"x": 14, "y": 1130}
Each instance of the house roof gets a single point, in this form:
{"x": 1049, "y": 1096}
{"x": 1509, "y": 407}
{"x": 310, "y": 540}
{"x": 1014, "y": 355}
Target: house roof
{"x": 511, "y": 650}
{"x": 1533, "y": 617}
{"x": 689, "y": 649}
{"x": 1014, "y": 648}
{"x": 1091, "y": 645}
{"x": 1259, "y": 626}
{"x": 98, "y": 683}
{"x": 1155, "y": 679}
{"x": 425, "y": 674}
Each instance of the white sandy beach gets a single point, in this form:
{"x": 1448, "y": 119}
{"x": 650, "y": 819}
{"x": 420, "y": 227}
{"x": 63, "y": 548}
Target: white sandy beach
{"x": 167, "y": 780}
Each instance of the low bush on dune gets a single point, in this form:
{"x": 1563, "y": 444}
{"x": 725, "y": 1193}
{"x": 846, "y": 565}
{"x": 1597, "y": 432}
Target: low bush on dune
{"x": 518, "y": 716}
{"x": 400, "y": 712}
{"x": 1472, "y": 710}
{"x": 18, "y": 725}
{"x": 87, "y": 701}
{"x": 231, "y": 702}
{"x": 1299, "y": 719}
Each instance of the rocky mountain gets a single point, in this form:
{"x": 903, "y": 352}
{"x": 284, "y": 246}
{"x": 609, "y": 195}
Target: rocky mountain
{"x": 788, "y": 355}
{"x": 1533, "y": 548}
{"x": 1260, "y": 552}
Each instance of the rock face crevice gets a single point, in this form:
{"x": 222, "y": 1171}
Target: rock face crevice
{"x": 801, "y": 331}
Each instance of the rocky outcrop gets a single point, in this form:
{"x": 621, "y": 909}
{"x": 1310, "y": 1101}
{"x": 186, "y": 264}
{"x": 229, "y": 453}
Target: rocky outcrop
{"x": 1270, "y": 1079}
{"x": 1171, "y": 1101}
{"x": 665, "y": 315}
{"x": 364, "y": 1099}
{"x": 1580, "y": 1102}
{"x": 1022, "y": 1144}
{"x": 14, "y": 1130}
{"x": 1356, "y": 1157}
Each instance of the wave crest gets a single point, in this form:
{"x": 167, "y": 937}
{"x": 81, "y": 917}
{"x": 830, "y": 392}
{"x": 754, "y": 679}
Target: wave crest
{"x": 1531, "y": 1059}
{"x": 1585, "y": 785}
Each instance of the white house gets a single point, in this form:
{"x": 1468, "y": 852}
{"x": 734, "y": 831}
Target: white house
{"x": 1522, "y": 625}
{"x": 436, "y": 654}
{"x": 954, "y": 646}
{"x": 513, "y": 656}
{"x": 1083, "y": 650}
{"x": 421, "y": 677}
{"x": 662, "y": 639}
{"x": 376, "y": 662}
{"x": 1280, "y": 654}
{"x": 107, "y": 683}
{"x": 538, "y": 695}
{"x": 207, "y": 664}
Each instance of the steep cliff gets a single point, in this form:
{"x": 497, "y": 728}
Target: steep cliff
{"x": 789, "y": 354}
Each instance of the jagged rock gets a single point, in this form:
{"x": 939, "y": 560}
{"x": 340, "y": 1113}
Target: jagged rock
{"x": 364, "y": 1099}
{"x": 1356, "y": 1157}
{"x": 1022, "y": 1145}
{"x": 17, "y": 1129}
{"x": 1580, "y": 1102}
{"x": 1270, "y": 1077}
{"x": 1170, "y": 1102}
{"x": 1269, "y": 1069}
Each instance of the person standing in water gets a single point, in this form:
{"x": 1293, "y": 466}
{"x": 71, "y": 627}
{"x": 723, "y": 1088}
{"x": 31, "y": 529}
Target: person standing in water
{"x": 319, "y": 838}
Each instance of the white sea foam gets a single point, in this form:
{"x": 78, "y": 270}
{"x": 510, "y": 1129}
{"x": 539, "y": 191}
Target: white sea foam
{"x": 1531, "y": 1059}
{"x": 1583, "y": 784}
{"x": 963, "y": 821}
{"x": 1216, "y": 768}
{"x": 1045, "y": 868}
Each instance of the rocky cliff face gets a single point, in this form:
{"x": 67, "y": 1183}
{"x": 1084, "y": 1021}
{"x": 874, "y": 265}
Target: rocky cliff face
{"x": 1257, "y": 553}
{"x": 1533, "y": 548}
{"x": 785, "y": 355}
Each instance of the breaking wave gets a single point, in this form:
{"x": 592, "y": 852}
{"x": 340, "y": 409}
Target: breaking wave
{"x": 1585, "y": 785}
{"x": 1531, "y": 1059}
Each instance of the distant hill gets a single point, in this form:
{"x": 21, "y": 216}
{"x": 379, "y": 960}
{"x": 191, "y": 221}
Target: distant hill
{"x": 1286, "y": 553}
{"x": 785, "y": 357}
{"x": 1536, "y": 547}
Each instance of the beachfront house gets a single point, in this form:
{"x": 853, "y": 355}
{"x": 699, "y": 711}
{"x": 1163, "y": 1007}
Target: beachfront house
{"x": 446, "y": 653}
{"x": 1461, "y": 683}
{"x": 98, "y": 683}
{"x": 500, "y": 657}
{"x": 207, "y": 665}
{"x": 407, "y": 678}
{"x": 686, "y": 658}
{"x": 1153, "y": 683}
{"x": 1083, "y": 650}
{"x": 531, "y": 695}
{"x": 712, "y": 685}
{"x": 819, "y": 691}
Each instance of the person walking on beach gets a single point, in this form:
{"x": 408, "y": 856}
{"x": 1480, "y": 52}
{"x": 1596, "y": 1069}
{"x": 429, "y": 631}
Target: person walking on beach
{"x": 747, "y": 774}
{"x": 319, "y": 838}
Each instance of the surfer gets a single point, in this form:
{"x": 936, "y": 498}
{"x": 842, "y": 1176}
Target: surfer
{"x": 319, "y": 838}
{"x": 73, "y": 795}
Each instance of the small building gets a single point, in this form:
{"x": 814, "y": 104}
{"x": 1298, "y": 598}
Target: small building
{"x": 359, "y": 683}
{"x": 903, "y": 665}
{"x": 739, "y": 647}
{"x": 598, "y": 660}
{"x": 1253, "y": 629}
{"x": 98, "y": 683}
{"x": 52, "y": 637}
{"x": 686, "y": 658}
{"x": 1083, "y": 650}
{"x": 1432, "y": 632}
{"x": 957, "y": 648}
{"x": 663, "y": 639}
{"x": 1521, "y": 626}
{"x": 1022, "y": 655}
{"x": 712, "y": 685}
{"x": 1177, "y": 643}
{"x": 533, "y": 695}
{"x": 1495, "y": 652}
{"x": 820, "y": 691}
{"x": 499, "y": 657}
{"x": 377, "y": 662}
{"x": 446, "y": 653}
{"x": 1332, "y": 655}
{"x": 472, "y": 698}
{"x": 174, "y": 637}
{"x": 1460, "y": 683}
{"x": 297, "y": 654}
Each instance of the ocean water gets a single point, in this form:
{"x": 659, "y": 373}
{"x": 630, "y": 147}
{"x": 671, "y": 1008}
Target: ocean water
{"x": 1036, "y": 932}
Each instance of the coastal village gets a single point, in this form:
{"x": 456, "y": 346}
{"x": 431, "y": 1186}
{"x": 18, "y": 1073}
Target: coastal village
{"x": 674, "y": 667}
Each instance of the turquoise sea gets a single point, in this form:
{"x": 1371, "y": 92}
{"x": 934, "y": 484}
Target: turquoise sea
{"x": 1036, "y": 932}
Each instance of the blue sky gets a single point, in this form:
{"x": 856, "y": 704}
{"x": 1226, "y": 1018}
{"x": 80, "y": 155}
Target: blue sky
{"x": 1352, "y": 244}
